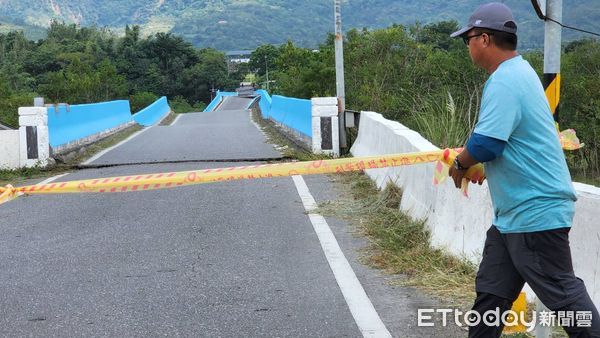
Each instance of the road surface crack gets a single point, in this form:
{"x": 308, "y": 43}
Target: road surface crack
{"x": 229, "y": 160}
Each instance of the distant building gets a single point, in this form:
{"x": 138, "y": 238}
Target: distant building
{"x": 238, "y": 56}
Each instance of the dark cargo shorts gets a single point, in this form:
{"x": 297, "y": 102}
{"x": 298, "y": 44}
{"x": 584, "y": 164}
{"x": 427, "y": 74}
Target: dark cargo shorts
{"x": 542, "y": 259}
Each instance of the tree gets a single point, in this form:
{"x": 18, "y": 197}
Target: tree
{"x": 110, "y": 85}
{"x": 170, "y": 49}
{"x": 210, "y": 72}
{"x": 437, "y": 34}
{"x": 580, "y": 104}
{"x": 261, "y": 57}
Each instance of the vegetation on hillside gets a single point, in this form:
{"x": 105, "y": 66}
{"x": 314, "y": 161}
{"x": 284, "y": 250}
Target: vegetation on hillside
{"x": 419, "y": 76}
{"x": 83, "y": 65}
{"x": 233, "y": 25}
{"x": 416, "y": 75}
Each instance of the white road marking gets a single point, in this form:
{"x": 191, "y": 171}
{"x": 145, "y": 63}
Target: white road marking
{"x": 360, "y": 305}
{"x": 100, "y": 154}
{"x": 176, "y": 119}
{"x": 52, "y": 179}
{"x": 162, "y": 118}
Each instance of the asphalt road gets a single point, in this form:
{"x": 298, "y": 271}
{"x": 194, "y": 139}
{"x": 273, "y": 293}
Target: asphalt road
{"x": 233, "y": 259}
{"x": 225, "y": 134}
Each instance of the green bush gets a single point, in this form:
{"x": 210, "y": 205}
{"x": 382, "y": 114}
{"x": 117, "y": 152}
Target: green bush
{"x": 580, "y": 106}
{"x": 9, "y": 107}
{"x": 180, "y": 105}
{"x": 199, "y": 106}
{"x": 141, "y": 100}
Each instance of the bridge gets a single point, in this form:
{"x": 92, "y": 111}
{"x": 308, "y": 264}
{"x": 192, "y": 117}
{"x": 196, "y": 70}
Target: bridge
{"x": 230, "y": 259}
{"x": 239, "y": 258}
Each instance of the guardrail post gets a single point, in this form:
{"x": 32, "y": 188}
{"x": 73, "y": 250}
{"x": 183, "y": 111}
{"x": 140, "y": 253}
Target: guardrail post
{"x": 33, "y": 136}
{"x": 325, "y": 126}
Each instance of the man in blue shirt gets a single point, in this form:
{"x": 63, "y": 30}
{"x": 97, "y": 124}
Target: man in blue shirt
{"x": 532, "y": 195}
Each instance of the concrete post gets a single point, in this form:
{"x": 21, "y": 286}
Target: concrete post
{"x": 325, "y": 126}
{"x": 339, "y": 71}
{"x": 38, "y": 102}
{"x": 33, "y": 136}
{"x": 552, "y": 50}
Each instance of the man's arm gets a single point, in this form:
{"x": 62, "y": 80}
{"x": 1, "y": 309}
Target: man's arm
{"x": 479, "y": 149}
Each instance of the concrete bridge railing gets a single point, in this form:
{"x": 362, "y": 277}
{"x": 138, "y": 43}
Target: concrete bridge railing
{"x": 313, "y": 122}
{"x": 459, "y": 224}
{"x": 66, "y": 127}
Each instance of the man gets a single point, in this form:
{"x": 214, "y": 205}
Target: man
{"x": 528, "y": 178}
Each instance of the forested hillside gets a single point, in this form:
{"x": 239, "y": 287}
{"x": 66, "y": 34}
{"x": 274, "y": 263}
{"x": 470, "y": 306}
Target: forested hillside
{"x": 235, "y": 24}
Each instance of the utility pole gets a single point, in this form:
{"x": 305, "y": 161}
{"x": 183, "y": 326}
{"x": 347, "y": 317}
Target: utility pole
{"x": 339, "y": 72}
{"x": 552, "y": 50}
{"x": 267, "y": 69}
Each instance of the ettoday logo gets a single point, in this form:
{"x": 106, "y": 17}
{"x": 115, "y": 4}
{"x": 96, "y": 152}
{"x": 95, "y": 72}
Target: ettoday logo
{"x": 510, "y": 318}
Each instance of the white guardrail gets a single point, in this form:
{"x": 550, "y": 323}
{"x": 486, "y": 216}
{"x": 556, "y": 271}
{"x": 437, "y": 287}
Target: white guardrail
{"x": 459, "y": 224}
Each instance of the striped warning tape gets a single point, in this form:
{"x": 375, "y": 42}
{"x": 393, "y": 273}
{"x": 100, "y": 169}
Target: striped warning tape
{"x": 184, "y": 178}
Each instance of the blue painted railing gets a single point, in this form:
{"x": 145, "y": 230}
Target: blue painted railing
{"x": 71, "y": 123}
{"x": 264, "y": 103}
{"x": 75, "y": 122}
{"x": 153, "y": 113}
{"x": 293, "y": 113}
{"x": 215, "y": 102}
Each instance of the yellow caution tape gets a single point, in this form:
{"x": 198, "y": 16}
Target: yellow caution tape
{"x": 184, "y": 178}
{"x": 444, "y": 159}
{"x": 7, "y": 194}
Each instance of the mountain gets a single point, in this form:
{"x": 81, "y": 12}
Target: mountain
{"x": 246, "y": 24}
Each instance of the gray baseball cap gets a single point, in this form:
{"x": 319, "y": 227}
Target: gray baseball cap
{"x": 494, "y": 15}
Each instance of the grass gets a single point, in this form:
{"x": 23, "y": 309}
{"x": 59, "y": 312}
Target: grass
{"x": 586, "y": 179}
{"x": 169, "y": 119}
{"x": 447, "y": 123}
{"x": 584, "y": 165}
{"x": 444, "y": 122}
{"x": 398, "y": 244}
{"x": 15, "y": 177}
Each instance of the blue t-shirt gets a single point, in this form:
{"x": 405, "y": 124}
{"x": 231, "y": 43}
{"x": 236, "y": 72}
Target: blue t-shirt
{"x": 529, "y": 182}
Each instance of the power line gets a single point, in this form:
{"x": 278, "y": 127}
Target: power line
{"x": 571, "y": 27}
{"x": 541, "y": 15}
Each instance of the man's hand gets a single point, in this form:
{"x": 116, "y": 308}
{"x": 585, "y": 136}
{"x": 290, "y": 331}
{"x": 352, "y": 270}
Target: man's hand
{"x": 457, "y": 176}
